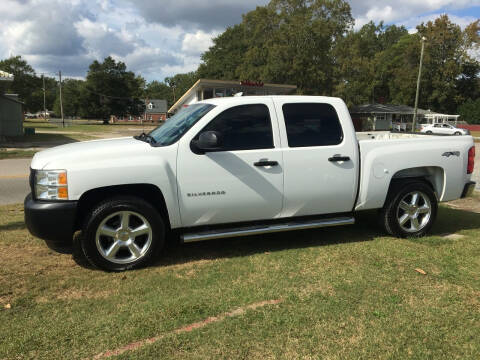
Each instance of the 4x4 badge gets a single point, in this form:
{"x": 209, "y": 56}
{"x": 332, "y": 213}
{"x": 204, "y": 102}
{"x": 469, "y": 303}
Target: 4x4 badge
{"x": 450, "y": 153}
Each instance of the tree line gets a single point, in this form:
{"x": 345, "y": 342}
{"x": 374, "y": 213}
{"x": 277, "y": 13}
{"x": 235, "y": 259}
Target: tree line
{"x": 308, "y": 43}
{"x": 108, "y": 89}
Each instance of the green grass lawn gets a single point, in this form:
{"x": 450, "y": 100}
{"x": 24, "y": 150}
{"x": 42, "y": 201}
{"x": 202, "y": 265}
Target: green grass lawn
{"x": 16, "y": 154}
{"x": 36, "y": 141}
{"x": 346, "y": 292}
{"x": 53, "y": 134}
{"x": 84, "y": 126}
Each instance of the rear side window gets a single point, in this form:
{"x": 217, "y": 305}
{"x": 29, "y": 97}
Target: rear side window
{"x": 244, "y": 127}
{"x": 312, "y": 124}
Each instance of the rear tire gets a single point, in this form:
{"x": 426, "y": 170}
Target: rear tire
{"x": 457, "y": 133}
{"x": 410, "y": 209}
{"x": 429, "y": 132}
{"x": 122, "y": 233}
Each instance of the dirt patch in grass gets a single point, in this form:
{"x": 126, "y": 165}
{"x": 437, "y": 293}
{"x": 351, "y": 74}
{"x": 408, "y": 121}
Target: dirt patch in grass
{"x": 188, "y": 328}
{"x": 76, "y": 294}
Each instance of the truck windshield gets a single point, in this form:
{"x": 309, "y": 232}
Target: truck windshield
{"x": 178, "y": 124}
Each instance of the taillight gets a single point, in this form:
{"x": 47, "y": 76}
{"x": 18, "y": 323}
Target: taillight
{"x": 471, "y": 160}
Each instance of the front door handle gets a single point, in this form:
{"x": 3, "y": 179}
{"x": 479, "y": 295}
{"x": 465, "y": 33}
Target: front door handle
{"x": 335, "y": 158}
{"x": 266, "y": 163}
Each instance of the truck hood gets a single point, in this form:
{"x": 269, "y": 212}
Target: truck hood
{"x": 66, "y": 156}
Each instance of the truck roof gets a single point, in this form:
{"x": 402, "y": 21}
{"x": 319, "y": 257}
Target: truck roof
{"x": 292, "y": 98}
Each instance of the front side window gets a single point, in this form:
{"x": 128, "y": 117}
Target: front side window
{"x": 244, "y": 127}
{"x": 312, "y": 124}
{"x": 179, "y": 124}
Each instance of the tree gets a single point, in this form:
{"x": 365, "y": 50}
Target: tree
{"x": 359, "y": 72}
{"x": 73, "y": 97}
{"x": 225, "y": 56}
{"x": 396, "y": 70}
{"x": 180, "y": 83}
{"x": 159, "y": 90}
{"x": 470, "y": 111}
{"x": 287, "y": 41}
{"x": 27, "y": 85}
{"x": 112, "y": 90}
{"x": 446, "y": 59}
{"x": 302, "y": 48}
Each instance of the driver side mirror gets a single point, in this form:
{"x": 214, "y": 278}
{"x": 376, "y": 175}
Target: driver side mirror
{"x": 208, "y": 141}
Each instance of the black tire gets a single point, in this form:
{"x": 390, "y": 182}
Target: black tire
{"x": 429, "y": 132}
{"x": 392, "y": 213}
{"x": 457, "y": 133}
{"x": 109, "y": 214}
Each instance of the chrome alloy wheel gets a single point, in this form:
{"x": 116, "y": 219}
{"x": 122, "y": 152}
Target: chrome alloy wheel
{"x": 414, "y": 211}
{"x": 123, "y": 237}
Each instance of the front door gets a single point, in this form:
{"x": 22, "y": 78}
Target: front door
{"x": 233, "y": 184}
{"x": 321, "y": 162}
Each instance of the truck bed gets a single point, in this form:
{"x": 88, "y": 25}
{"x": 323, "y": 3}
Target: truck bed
{"x": 386, "y": 135}
{"x": 385, "y": 155}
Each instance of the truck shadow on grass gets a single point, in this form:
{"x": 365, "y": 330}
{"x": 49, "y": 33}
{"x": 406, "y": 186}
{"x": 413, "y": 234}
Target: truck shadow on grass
{"x": 449, "y": 221}
{"x": 41, "y": 140}
{"x": 16, "y": 225}
{"x": 367, "y": 228}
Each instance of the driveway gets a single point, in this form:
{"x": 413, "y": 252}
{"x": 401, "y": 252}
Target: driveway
{"x": 14, "y": 180}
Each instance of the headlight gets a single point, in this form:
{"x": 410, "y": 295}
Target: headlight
{"x": 51, "y": 185}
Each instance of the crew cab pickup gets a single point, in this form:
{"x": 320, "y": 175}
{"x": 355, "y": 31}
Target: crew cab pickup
{"x": 240, "y": 166}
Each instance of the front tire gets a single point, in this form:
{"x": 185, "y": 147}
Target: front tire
{"x": 457, "y": 133}
{"x": 122, "y": 233}
{"x": 429, "y": 132}
{"x": 410, "y": 209}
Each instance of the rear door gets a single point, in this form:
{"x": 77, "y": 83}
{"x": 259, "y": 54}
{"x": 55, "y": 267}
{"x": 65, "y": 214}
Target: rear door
{"x": 320, "y": 155}
{"x": 241, "y": 182}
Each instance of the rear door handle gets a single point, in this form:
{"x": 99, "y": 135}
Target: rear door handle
{"x": 266, "y": 163}
{"x": 335, "y": 158}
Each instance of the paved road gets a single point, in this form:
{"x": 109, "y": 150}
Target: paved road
{"x": 14, "y": 180}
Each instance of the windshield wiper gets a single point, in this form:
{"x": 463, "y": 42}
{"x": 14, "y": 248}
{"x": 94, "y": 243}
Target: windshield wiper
{"x": 146, "y": 137}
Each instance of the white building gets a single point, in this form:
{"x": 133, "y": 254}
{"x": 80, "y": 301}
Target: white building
{"x": 207, "y": 89}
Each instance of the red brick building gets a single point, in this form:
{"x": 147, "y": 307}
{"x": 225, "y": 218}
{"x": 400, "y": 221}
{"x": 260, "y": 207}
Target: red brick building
{"x": 155, "y": 111}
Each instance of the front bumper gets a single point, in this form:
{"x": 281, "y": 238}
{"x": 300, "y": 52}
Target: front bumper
{"x": 468, "y": 189}
{"x": 53, "y": 221}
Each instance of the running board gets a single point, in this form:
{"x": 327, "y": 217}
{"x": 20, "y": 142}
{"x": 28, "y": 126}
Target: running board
{"x": 266, "y": 228}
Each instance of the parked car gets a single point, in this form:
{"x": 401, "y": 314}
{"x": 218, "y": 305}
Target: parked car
{"x": 442, "y": 129}
{"x": 240, "y": 166}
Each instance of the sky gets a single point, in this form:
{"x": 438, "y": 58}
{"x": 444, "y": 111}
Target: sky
{"x": 160, "y": 38}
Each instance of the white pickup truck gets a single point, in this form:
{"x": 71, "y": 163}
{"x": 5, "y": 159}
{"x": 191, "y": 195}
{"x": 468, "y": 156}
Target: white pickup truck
{"x": 240, "y": 166}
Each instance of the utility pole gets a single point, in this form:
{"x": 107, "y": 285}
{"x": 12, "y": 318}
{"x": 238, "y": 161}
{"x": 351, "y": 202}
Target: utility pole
{"x": 44, "y": 103}
{"x": 61, "y": 101}
{"x": 418, "y": 84}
